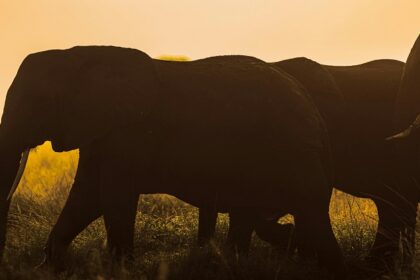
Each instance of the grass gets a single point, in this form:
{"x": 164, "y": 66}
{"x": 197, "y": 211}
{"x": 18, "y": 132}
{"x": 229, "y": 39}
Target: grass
{"x": 165, "y": 236}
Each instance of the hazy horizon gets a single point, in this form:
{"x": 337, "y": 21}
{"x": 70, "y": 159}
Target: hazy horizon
{"x": 332, "y": 33}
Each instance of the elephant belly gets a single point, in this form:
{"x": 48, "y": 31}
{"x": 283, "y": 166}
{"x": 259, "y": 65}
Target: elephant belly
{"x": 202, "y": 174}
{"x": 205, "y": 170}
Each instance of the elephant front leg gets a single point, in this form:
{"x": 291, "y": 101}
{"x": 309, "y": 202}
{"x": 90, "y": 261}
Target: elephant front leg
{"x": 81, "y": 208}
{"x": 385, "y": 248}
{"x": 409, "y": 246}
{"x": 207, "y": 219}
{"x": 396, "y": 224}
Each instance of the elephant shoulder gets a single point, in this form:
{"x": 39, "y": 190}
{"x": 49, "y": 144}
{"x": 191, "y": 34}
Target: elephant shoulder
{"x": 383, "y": 63}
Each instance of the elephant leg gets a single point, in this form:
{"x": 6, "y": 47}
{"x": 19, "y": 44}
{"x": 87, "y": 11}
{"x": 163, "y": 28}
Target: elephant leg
{"x": 408, "y": 240}
{"x": 313, "y": 225}
{"x": 119, "y": 220}
{"x": 81, "y": 208}
{"x": 315, "y": 238}
{"x": 396, "y": 225}
{"x": 408, "y": 237}
{"x": 119, "y": 201}
{"x": 387, "y": 237}
{"x": 328, "y": 251}
{"x": 305, "y": 246}
{"x": 241, "y": 226}
{"x": 279, "y": 235}
{"x": 207, "y": 219}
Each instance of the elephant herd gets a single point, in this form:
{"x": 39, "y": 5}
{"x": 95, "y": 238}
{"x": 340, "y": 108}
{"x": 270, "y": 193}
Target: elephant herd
{"x": 226, "y": 134}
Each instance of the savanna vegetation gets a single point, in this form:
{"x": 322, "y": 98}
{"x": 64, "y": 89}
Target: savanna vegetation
{"x": 165, "y": 235}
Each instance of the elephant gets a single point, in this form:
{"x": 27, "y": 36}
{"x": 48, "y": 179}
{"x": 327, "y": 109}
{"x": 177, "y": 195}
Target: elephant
{"x": 324, "y": 91}
{"x": 240, "y": 129}
{"x": 406, "y": 142}
{"x": 358, "y": 103}
{"x": 371, "y": 167}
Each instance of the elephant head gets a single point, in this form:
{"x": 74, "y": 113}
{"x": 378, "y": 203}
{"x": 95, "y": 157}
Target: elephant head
{"x": 407, "y": 117}
{"x": 407, "y": 114}
{"x": 70, "y": 97}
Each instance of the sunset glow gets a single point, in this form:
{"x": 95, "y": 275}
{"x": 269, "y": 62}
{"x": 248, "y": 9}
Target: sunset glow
{"x": 339, "y": 32}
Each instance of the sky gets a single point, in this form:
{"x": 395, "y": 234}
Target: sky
{"x": 335, "y": 32}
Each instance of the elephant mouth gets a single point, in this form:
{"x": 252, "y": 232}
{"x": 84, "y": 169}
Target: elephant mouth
{"x": 19, "y": 174}
{"x": 409, "y": 131}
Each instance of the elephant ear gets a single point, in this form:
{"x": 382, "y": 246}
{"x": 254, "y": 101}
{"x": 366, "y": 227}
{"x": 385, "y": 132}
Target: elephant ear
{"x": 408, "y": 99}
{"x": 98, "y": 89}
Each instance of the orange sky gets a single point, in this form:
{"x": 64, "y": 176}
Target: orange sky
{"x": 333, "y": 32}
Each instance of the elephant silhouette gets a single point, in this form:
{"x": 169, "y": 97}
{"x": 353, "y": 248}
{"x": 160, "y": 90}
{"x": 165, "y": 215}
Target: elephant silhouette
{"x": 228, "y": 132}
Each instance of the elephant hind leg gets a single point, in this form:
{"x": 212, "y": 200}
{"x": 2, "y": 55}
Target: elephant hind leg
{"x": 119, "y": 222}
{"x": 206, "y": 224}
{"x": 315, "y": 238}
{"x": 119, "y": 201}
{"x": 313, "y": 225}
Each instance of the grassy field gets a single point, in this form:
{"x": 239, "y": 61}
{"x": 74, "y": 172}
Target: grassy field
{"x": 165, "y": 236}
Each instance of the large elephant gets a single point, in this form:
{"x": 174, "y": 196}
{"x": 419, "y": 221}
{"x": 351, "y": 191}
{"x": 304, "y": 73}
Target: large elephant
{"x": 407, "y": 115}
{"x": 225, "y": 131}
{"x": 358, "y": 104}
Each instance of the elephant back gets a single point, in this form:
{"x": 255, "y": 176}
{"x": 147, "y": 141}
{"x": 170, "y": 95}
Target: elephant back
{"x": 369, "y": 91}
{"x": 240, "y": 93}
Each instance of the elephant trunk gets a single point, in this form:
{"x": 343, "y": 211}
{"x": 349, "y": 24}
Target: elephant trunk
{"x": 10, "y": 155}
